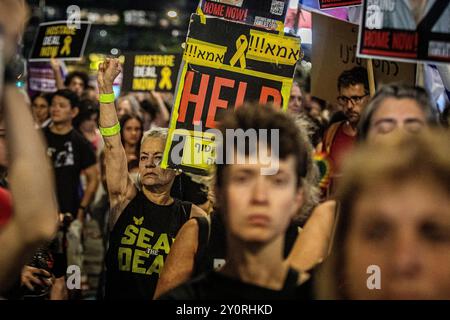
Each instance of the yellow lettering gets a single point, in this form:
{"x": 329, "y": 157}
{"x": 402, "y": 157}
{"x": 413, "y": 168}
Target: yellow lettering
{"x": 144, "y": 84}
{"x": 60, "y": 30}
{"x": 157, "y": 265}
{"x": 48, "y": 52}
{"x": 130, "y": 235}
{"x": 162, "y": 243}
{"x": 144, "y": 238}
{"x": 155, "y": 60}
{"x": 124, "y": 256}
{"x": 137, "y": 261}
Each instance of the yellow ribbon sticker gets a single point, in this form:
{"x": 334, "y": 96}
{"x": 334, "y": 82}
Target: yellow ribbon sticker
{"x": 165, "y": 82}
{"x": 241, "y": 46}
{"x": 201, "y": 15}
{"x": 66, "y": 49}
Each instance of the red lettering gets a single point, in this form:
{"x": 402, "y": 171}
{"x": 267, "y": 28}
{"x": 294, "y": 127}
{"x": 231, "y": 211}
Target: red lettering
{"x": 216, "y": 102}
{"x": 404, "y": 41}
{"x": 376, "y": 39}
{"x": 240, "y": 94}
{"x": 198, "y": 99}
{"x": 214, "y": 9}
{"x": 236, "y": 14}
{"x": 267, "y": 92}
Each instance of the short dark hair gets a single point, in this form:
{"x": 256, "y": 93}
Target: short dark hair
{"x": 46, "y": 96}
{"x": 87, "y": 109}
{"x": 82, "y": 75}
{"x": 255, "y": 116}
{"x": 352, "y": 77}
{"x": 69, "y": 95}
{"x": 396, "y": 91}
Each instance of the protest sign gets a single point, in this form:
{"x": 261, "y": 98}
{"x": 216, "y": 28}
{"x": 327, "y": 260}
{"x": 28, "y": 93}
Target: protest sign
{"x": 58, "y": 40}
{"x": 41, "y": 77}
{"x": 264, "y": 13}
{"x": 150, "y": 72}
{"x": 329, "y": 4}
{"x": 224, "y": 64}
{"x": 405, "y": 30}
{"x": 334, "y": 50}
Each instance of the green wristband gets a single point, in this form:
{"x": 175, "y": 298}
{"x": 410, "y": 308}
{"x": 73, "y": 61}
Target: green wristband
{"x": 107, "y": 98}
{"x": 111, "y": 131}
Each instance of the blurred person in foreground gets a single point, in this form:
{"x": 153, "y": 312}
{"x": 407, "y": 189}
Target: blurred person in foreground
{"x": 393, "y": 230}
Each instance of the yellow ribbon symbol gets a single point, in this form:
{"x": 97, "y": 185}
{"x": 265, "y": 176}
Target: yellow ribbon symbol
{"x": 166, "y": 82}
{"x": 241, "y": 46}
{"x": 66, "y": 49}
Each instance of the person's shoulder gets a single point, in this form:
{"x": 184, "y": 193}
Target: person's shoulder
{"x": 194, "y": 289}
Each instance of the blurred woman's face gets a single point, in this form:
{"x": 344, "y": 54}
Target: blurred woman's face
{"x": 393, "y": 115}
{"x": 404, "y": 229}
{"x": 132, "y": 132}
{"x": 123, "y": 108}
{"x": 40, "y": 108}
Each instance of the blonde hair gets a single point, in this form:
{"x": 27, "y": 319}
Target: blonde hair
{"x": 423, "y": 156}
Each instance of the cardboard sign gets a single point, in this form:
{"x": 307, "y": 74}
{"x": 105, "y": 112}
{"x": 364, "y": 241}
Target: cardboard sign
{"x": 41, "y": 77}
{"x": 151, "y": 72}
{"x": 264, "y": 13}
{"x": 329, "y": 4}
{"x": 401, "y": 30}
{"x": 334, "y": 51}
{"x": 57, "y": 40}
{"x": 224, "y": 64}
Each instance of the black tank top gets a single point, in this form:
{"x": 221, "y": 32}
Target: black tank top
{"x": 138, "y": 246}
{"x": 211, "y": 250}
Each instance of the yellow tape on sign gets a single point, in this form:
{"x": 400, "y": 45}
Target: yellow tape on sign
{"x": 204, "y": 53}
{"x": 273, "y": 48}
{"x": 241, "y": 46}
{"x": 198, "y": 153}
{"x": 166, "y": 82}
{"x": 66, "y": 49}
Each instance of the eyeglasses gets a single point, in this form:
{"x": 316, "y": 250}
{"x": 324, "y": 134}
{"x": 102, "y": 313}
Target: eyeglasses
{"x": 354, "y": 99}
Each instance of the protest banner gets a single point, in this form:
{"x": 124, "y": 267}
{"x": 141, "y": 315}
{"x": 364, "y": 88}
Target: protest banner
{"x": 405, "y": 30}
{"x": 330, "y": 4}
{"x": 57, "y": 40}
{"x": 41, "y": 77}
{"x": 263, "y": 13}
{"x": 224, "y": 65}
{"x": 150, "y": 72}
{"x": 334, "y": 50}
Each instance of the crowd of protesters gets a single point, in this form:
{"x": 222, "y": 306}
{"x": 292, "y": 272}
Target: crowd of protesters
{"x": 82, "y": 159}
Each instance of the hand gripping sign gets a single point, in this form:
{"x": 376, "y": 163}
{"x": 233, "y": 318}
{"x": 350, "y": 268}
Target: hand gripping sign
{"x": 224, "y": 64}
{"x": 58, "y": 40}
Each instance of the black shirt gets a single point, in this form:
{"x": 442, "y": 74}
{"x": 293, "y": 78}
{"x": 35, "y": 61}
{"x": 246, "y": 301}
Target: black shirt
{"x": 216, "y": 286}
{"x": 211, "y": 249}
{"x": 70, "y": 154}
{"x": 138, "y": 246}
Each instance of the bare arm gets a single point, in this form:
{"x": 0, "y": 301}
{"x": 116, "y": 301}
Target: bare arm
{"x": 197, "y": 212}
{"x": 31, "y": 182}
{"x": 56, "y": 67}
{"x": 313, "y": 243}
{"x": 162, "y": 118}
{"x": 91, "y": 174}
{"x": 179, "y": 264}
{"x": 120, "y": 187}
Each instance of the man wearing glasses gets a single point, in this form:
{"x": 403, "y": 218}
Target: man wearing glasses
{"x": 353, "y": 88}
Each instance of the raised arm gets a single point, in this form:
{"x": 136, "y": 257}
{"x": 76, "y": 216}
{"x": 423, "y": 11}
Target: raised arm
{"x": 162, "y": 117}
{"x": 56, "y": 67}
{"x": 120, "y": 187}
{"x": 35, "y": 217}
